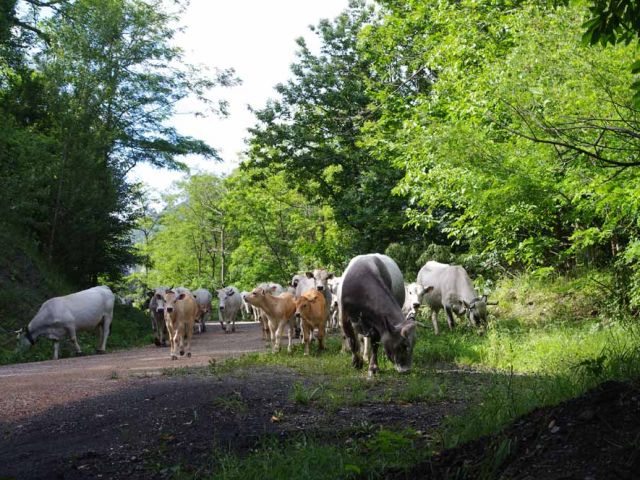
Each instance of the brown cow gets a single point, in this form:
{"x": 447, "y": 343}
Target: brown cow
{"x": 311, "y": 307}
{"x": 180, "y": 313}
{"x": 280, "y": 312}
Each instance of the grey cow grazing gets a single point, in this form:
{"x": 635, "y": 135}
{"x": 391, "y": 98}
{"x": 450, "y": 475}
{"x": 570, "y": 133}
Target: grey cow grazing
{"x": 229, "y": 304}
{"x": 451, "y": 289}
{"x": 370, "y": 300}
{"x": 156, "y": 308}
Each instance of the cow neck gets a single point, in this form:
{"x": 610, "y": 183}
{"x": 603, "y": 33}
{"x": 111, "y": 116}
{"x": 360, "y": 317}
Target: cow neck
{"x": 29, "y": 337}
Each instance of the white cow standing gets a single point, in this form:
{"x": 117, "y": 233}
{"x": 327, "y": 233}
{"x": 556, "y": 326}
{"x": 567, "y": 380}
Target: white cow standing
{"x": 62, "y": 316}
{"x": 229, "y": 304}
{"x": 203, "y": 299}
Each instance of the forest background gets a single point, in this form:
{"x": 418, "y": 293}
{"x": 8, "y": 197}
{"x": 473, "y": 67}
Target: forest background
{"x": 499, "y": 135}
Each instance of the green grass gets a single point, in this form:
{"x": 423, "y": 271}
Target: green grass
{"x": 548, "y": 340}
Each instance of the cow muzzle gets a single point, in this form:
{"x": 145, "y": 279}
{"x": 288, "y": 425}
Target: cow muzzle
{"x": 320, "y": 288}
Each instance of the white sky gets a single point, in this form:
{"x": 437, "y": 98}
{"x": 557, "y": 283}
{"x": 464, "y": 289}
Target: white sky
{"x": 257, "y": 38}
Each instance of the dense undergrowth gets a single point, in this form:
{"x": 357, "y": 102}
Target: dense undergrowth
{"x": 549, "y": 339}
{"x": 130, "y": 328}
{"x": 26, "y": 282}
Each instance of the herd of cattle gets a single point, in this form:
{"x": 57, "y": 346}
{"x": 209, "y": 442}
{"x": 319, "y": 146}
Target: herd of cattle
{"x": 370, "y": 303}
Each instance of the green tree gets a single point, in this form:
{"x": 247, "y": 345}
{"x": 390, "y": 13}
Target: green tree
{"x": 313, "y": 133}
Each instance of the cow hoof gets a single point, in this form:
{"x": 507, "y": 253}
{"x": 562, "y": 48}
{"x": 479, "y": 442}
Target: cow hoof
{"x": 101, "y": 352}
{"x": 157, "y": 342}
{"x": 165, "y": 344}
{"x": 81, "y": 354}
{"x": 189, "y": 354}
{"x": 181, "y": 353}
{"x": 233, "y": 329}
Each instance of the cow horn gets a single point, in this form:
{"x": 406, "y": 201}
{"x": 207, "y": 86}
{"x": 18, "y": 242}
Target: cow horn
{"x": 404, "y": 331}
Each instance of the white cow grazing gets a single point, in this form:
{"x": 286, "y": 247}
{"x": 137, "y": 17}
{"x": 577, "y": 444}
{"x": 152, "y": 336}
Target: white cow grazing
{"x": 62, "y": 316}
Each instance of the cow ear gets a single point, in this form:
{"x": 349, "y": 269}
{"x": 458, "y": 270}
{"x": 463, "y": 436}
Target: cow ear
{"x": 273, "y": 288}
{"x": 181, "y": 296}
{"x": 309, "y": 274}
{"x": 484, "y": 298}
{"x": 329, "y": 276}
{"x": 464, "y": 303}
{"x": 428, "y": 289}
{"x": 230, "y": 292}
{"x": 150, "y": 293}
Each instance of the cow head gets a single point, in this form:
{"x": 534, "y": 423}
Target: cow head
{"x": 398, "y": 343}
{"x": 157, "y": 302}
{"x": 320, "y": 278}
{"x": 413, "y": 295}
{"x": 223, "y": 294}
{"x": 169, "y": 300}
{"x": 25, "y": 340}
{"x": 476, "y": 310}
{"x": 303, "y": 304}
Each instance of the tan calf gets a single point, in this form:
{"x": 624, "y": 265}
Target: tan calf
{"x": 311, "y": 307}
{"x": 280, "y": 311}
{"x": 180, "y": 313}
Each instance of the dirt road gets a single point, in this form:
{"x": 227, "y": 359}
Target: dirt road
{"x": 30, "y": 388}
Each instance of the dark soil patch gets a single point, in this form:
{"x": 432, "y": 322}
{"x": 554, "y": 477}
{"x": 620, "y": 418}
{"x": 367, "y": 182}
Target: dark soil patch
{"x": 594, "y": 436}
{"x": 187, "y": 420}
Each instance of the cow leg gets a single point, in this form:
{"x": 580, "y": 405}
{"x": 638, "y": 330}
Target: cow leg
{"x": 56, "y": 349}
{"x": 189, "y": 334}
{"x": 182, "y": 328}
{"x": 162, "y": 327}
{"x": 205, "y": 319}
{"x": 74, "y": 339}
{"x": 373, "y": 358}
{"x": 273, "y": 332}
{"x": 106, "y": 329}
{"x": 366, "y": 350}
{"x": 350, "y": 333}
{"x": 278, "y": 337}
{"x": 434, "y": 320}
{"x": 172, "y": 337}
{"x": 306, "y": 337}
{"x": 321, "y": 333}
{"x": 290, "y": 333}
{"x": 450, "y": 321}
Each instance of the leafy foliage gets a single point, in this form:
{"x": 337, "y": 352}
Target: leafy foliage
{"x": 86, "y": 88}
